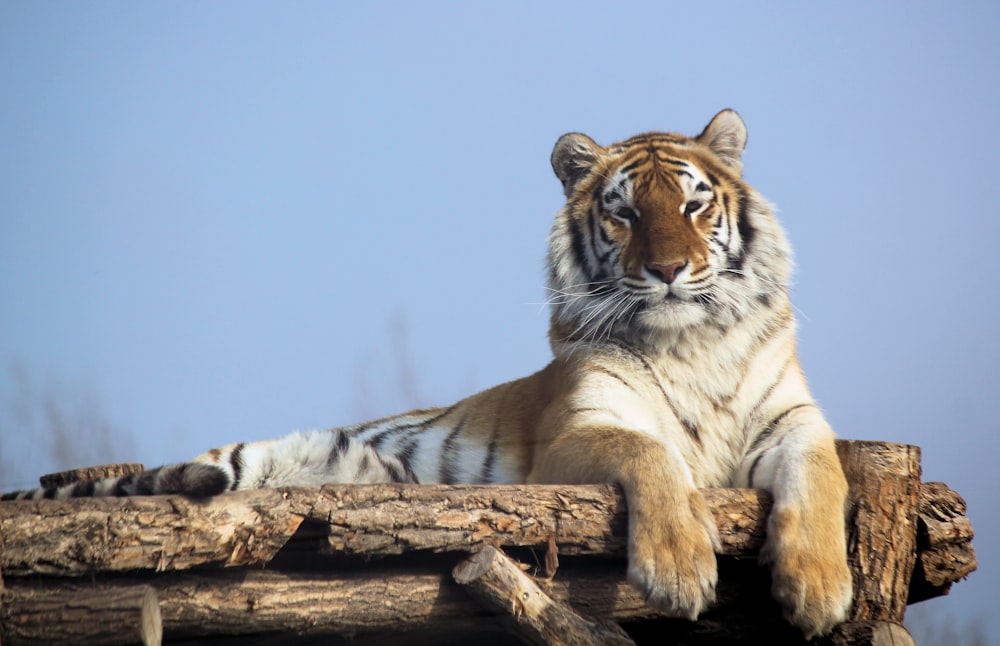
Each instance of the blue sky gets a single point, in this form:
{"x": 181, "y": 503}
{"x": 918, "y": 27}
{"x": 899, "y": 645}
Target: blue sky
{"x": 227, "y": 221}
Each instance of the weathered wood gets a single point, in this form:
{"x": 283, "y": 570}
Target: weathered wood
{"x": 884, "y": 481}
{"x": 55, "y": 615}
{"x": 63, "y": 478}
{"x": 340, "y": 601}
{"x": 45, "y": 547}
{"x": 499, "y": 584}
{"x": 944, "y": 542}
{"x": 381, "y": 520}
{"x": 81, "y": 536}
{"x": 867, "y": 633}
{"x": 351, "y": 597}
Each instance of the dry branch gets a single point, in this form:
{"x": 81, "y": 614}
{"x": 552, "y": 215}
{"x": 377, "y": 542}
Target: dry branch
{"x": 500, "y": 585}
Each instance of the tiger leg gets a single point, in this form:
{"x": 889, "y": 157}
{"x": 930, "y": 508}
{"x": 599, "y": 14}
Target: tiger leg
{"x": 806, "y": 543}
{"x": 672, "y": 537}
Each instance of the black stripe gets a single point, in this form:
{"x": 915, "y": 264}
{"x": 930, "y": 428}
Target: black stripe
{"x": 688, "y": 425}
{"x": 767, "y": 434}
{"x": 595, "y": 229}
{"x": 120, "y": 486}
{"x": 614, "y": 375}
{"x": 491, "y": 453}
{"x": 145, "y": 482}
{"x": 236, "y": 462}
{"x": 449, "y": 454}
{"x": 673, "y": 162}
{"x": 625, "y": 170}
{"x": 406, "y": 453}
{"x": 82, "y": 489}
{"x": 774, "y": 423}
{"x": 395, "y": 470}
{"x": 408, "y": 428}
{"x": 339, "y": 448}
{"x": 363, "y": 466}
{"x": 578, "y": 244}
{"x": 745, "y": 228}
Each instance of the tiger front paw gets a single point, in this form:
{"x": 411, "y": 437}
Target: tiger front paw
{"x": 810, "y": 579}
{"x": 672, "y": 556}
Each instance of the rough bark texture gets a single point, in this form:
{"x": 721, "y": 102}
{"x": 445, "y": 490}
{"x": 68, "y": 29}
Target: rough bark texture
{"x": 90, "y": 473}
{"x": 500, "y": 585}
{"x": 82, "y": 536}
{"x": 354, "y": 560}
{"x": 944, "y": 542}
{"x": 882, "y": 525}
{"x": 127, "y": 614}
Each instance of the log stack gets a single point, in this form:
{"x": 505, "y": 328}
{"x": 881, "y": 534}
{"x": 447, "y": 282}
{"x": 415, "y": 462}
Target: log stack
{"x": 424, "y": 564}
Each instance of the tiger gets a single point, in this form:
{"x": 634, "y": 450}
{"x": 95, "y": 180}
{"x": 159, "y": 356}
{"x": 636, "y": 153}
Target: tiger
{"x": 674, "y": 369}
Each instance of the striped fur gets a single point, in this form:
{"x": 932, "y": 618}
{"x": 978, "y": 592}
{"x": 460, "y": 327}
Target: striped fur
{"x": 675, "y": 368}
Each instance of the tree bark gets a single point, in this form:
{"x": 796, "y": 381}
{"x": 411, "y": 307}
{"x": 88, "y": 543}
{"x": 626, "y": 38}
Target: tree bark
{"x": 867, "y": 633}
{"x": 500, "y": 585}
{"x": 83, "y": 536}
{"x": 86, "y": 535}
{"x": 898, "y": 528}
{"x": 944, "y": 543}
{"x": 63, "y": 478}
{"x": 884, "y": 480}
{"x": 122, "y": 615}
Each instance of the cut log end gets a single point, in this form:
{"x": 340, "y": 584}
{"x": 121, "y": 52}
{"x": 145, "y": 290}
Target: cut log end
{"x": 127, "y": 615}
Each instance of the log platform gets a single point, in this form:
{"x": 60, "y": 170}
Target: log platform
{"x": 435, "y": 564}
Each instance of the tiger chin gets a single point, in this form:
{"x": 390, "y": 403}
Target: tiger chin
{"x": 674, "y": 369}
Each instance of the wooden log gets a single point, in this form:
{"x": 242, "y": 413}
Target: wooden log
{"x": 64, "y": 478}
{"x": 944, "y": 542}
{"x": 82, "y": 536}
{"x": 352, "y": 598}
{"x": 383, "y": 520}
{"x": 86, "y": 535}
{"x": 884, "y": 482}
{"x": 867, "y": 633}
{"x": 499, "y": 584}
{"x": 54, "y": 615}
{"x": 337, "y": 601}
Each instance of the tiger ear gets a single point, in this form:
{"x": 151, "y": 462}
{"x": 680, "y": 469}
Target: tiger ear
{"x": 572, "y": 159}
{"x": 726, "y": 136}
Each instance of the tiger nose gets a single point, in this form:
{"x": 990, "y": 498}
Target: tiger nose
{"x": 667, "y": 273}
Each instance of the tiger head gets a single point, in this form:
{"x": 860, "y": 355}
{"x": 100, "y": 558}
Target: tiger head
{"x": 660, "y": 234}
